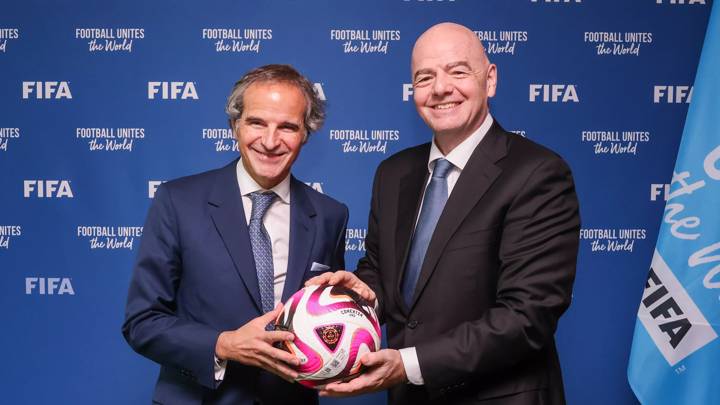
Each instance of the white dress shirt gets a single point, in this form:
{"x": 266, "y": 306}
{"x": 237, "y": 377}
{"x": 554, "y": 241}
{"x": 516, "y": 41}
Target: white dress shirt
{"x": 277, "y": 224}
{"x": 459, "y": 158}
{"x": 276, "y": 221}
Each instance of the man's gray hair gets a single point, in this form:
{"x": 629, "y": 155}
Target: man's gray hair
{"x": 314, "y": 106}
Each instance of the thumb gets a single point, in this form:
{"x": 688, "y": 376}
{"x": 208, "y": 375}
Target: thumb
{"x": 370, "y": 359}
{"x": 272, "y": 315}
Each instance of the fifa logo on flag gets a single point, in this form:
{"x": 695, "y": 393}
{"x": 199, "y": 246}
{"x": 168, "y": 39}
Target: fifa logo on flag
{"x": 47, "y": 189}
{"x": 665, "y": 310}
{"x": 554, "y": 93}
{"x": 48, "y": 286}
{"x": 670, "y": 316}
{"x": 172, "y": 90}
{"x": 672, "y": 94}
{"x": 46, "y": 90}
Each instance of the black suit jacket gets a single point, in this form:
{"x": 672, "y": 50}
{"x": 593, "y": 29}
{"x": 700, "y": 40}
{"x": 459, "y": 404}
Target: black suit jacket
{"x": 497, "y": 275}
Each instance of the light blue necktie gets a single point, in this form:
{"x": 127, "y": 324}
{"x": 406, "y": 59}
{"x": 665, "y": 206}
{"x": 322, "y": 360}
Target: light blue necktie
{"x": 262, "y": 248}
{"x": 436, "y": 194}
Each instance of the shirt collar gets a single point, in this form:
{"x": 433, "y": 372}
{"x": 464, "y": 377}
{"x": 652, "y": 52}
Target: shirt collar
{"x": 248, "y": 185}
{"x": 461, "y": 154}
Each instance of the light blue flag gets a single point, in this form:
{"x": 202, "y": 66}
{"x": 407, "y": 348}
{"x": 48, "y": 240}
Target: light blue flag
{"x": 675, "y": 357}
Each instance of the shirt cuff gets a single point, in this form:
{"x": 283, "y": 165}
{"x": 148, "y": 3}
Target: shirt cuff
{"x": 412, "y": 365}
{"x": 220, "y": 366}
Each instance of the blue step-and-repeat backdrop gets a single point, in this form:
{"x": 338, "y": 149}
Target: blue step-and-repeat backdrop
{"x": 102, "y": 101}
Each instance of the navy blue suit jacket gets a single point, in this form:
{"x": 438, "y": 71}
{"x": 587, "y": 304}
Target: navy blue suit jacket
{"x": 195, "y": 277}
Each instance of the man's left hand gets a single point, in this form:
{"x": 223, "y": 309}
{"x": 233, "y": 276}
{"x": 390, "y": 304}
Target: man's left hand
{"x": 384, "y": 369}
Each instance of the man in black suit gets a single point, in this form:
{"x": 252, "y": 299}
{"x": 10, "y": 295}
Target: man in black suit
{"x": 471, "y": 247}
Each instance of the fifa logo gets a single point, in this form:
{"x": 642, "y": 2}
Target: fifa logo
{"x": 47, "y": 189}
{"x": 172, "y": 90}
{"x": 665, "y": 310}
{"x": 48, "y": 286}
{"x": 672, "y": 94}
{"x": 319, "y": 91}
{"x": 554, "y": 93}
{"x": 46, "y": 90}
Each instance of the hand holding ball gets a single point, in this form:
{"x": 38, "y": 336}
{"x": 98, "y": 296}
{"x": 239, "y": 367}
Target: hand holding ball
{"x": 333, "y": 328}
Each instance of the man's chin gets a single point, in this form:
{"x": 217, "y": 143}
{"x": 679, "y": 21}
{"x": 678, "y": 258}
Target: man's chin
{"x": 269, "y": 179}
{"x": 446, "y": 124}
{"x": 447, "y": 130}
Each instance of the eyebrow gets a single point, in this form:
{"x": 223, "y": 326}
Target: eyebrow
{"x": 251, "y": 118}
{"x": 456, "y": 64}
{"x": 290, "y": 125}
{"x": 285, "y": 124}
{"x": 446, "y": 67}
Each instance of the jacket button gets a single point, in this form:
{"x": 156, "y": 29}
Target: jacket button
{"x": 412, "y": 324}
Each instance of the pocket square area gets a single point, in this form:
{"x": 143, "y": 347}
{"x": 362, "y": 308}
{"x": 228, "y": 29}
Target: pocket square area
{"x": 319, "y": 267}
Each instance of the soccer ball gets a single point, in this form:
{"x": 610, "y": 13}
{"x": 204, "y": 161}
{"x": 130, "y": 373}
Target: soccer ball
{"x": 333, "y": 328}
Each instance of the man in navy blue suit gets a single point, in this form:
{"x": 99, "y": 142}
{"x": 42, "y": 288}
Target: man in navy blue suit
{"x": 222, "y": 249}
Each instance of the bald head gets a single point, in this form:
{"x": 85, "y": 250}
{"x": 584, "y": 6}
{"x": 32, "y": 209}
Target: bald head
{"x": 452, "y": 81}
{"x": 446, "y": 35}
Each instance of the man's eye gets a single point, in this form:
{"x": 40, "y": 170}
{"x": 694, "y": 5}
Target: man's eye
{"x": 460, "y": 73}
{"x": 423, "y": 80}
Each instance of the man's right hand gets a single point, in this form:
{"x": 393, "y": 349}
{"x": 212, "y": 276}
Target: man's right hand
{"x": 252, "y": 345}
{"x": 347, "y": 280}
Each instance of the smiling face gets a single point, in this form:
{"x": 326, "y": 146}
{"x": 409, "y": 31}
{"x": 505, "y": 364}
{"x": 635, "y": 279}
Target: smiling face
{"x": 270, "y": 131}
{"x": 452, "y": 80}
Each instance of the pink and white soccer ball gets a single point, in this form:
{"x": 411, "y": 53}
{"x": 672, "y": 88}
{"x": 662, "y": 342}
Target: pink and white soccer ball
{"x": 333, "y": 328}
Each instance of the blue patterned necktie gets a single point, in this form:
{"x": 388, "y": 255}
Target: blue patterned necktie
{"x": 262, "y": 248}
{"x": 436, "y": 194}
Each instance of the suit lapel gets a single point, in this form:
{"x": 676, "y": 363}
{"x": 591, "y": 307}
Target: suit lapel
{"x": 302, "y": 237}
{"x": 227, "y": 213}
{"x": 411, "y": 189}
{"x": 479, "y": 174}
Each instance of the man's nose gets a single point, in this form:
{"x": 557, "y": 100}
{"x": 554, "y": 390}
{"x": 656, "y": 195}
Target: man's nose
{"x": 271, "y": 138}
{"x": 442, "y": 84}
